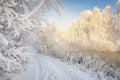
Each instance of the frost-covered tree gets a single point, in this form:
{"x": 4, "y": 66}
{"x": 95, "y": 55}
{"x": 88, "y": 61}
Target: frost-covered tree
{"x": 19, "y": 19}
{"x": 118, "y": 15}
{"x": 47, "y": 38}
{"x": 118, "y": 6}
{"x": 93, "y": 28}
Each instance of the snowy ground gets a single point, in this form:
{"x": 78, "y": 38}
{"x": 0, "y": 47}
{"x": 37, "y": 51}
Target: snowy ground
{"x": 45, "y": 67}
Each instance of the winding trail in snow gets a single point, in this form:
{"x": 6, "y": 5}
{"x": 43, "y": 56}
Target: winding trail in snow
{"x": 44, "y": 67}
{"x": 53, "y": 69}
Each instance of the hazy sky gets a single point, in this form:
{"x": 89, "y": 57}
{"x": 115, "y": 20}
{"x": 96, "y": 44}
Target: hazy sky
{"x": 73, "y": 8}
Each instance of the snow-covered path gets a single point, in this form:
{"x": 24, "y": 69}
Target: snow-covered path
{"x": 53, "y": 69}
{"x": 48, "y": 68}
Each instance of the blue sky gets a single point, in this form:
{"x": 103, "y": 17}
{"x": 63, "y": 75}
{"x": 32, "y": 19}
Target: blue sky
{"x": 73, "y": 8}
{"x": 81, "y": 5}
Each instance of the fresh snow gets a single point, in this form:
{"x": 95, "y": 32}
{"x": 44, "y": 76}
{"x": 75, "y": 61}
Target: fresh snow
{"x": 44, "y": 67}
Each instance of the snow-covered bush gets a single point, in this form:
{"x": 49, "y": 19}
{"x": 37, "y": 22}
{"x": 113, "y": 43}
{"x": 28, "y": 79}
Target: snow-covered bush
{"x": 94, "y": 66}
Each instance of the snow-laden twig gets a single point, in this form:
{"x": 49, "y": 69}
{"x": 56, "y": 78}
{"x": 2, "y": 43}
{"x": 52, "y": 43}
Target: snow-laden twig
{"x": 35, "y": 10}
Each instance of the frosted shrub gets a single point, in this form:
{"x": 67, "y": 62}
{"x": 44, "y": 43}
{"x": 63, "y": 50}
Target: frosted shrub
{"x": 94, "y": 66}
